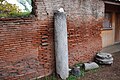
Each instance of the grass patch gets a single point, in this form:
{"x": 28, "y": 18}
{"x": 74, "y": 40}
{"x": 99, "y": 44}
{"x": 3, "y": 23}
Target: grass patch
{"x": 78, "y": 65}
{"x": 72, "y": 77}
{"x": 20, "y": 14}
{"x": 15, "y": 15}
{"x": 82, "y": 72}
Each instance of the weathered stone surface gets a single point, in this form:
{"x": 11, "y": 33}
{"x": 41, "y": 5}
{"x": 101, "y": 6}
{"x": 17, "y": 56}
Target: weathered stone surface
{"x": 75, "y": 71}
{"x": 91, "y": 65}
{"x": 104, "y": 58}
{"x": 104, "y": 55}
{"x": 61, "y": 44}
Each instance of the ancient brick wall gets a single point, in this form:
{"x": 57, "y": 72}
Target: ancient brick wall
{"x": 84, "y": 20}
{"x": 26, "y": 48}
{"x": 27, "y": 45}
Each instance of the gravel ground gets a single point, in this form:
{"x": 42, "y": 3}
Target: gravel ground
{"x": 105, "y": 72}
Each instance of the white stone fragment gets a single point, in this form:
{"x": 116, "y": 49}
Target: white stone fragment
{"x": 91, "y": 65}
{"x": 61, "y": 10}
{"x": 61, "y": 44}
{"x": 104, "y": 58}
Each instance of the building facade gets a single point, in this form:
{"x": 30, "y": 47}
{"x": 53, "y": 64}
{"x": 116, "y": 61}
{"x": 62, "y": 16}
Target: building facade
{"x": 111, "y": 28}
{"x": 27, "y": 44}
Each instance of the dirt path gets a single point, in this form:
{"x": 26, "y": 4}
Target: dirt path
{"x": 105, "y": 72}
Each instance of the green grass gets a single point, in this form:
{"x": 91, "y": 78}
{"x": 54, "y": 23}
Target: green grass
{"x": 71, "y": 77}
{"x": 15, "y": 15}
{"x": 21, "y": 14}
{"x": 78, "y": 65}
{"x": 82, "y": 72}
{"x": 3, "y": 15}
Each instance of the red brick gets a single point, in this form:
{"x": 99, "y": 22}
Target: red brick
{"x": 23, "y": 41}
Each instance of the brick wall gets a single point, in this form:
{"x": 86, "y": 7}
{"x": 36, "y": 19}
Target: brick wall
{"x": 26, "y": 48}
{"x": 27, "y": 45}
{"x": 84, "y": 20}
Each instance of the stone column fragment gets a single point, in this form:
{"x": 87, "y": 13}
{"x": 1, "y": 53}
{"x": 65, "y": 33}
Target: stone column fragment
{"x": 61, "y": 44}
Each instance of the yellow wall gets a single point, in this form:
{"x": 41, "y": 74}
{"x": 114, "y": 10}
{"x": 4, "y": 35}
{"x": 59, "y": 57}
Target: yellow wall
{"x": 107, "y": 37}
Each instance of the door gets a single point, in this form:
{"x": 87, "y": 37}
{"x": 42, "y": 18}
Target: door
{"x": 117, "y": 28}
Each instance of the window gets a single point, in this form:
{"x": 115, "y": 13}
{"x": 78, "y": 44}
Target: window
{"x": 15, "y": 8}
{"x": 107, "y": 24}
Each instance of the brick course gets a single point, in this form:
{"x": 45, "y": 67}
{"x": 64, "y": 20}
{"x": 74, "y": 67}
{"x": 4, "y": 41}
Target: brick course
{"x": 27, "y": 45}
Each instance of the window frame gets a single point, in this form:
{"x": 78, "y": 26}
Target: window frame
{"x": 107, "y": 23}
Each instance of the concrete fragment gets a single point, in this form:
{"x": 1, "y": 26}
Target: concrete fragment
{"x": 104, "y": 55}
{"x": 61, "y": 10}
{"x": 75, "y": 71}
{"x": 104, "y": 58}
{"x": 70, "y": 69}
{"x": 104, "y": 61}
{"x": 61, "y": 44}
{"x": 91, "y": 65}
